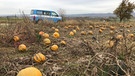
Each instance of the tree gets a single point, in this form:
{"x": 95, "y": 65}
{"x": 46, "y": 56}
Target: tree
{"x": 62, "y": 13}
{"x": 124, "y": 10}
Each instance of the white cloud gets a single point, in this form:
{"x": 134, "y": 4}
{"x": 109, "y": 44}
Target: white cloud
{"x": 70, "y": 6}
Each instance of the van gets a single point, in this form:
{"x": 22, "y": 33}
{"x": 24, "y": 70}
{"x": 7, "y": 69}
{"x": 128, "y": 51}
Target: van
{"x": 44, "y": 15}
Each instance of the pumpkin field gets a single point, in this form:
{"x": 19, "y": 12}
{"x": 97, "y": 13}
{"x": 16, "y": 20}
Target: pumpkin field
{"x": 70, "y": 48}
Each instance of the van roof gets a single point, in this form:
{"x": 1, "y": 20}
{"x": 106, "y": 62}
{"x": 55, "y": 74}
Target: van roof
{"x": 41, "y": 10}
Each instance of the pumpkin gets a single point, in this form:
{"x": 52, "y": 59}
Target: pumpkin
{"x": 96, "y": 26}
{"x": 77, "y": 27}
{"x": 119, "y": 37}
{"x": 41, "y": 33}
{"x": 53, "y": 28}
{"x": 29, "y": 71}
{"x": 16, "y": 38}
{"x": 112, "y": 27}
{"x": 54, "y": 47}
{"x": 91, "y": 27}
{"x": 90, "y": 32}
{"x": 127, "y": 26}
{"x": 130, "y": 35}
{"x": 45, "y": 35}
{"x": 56, "y": 35}
{"x": 70, "y": 26}
{"x": 109, "y": 43}
{"x": 100, "y": 30}
{"x": 39, "y": 57}
{"x": 47, "y": 41}
{"x": 74, "y": 31}
{"x": 71, "y": 33}
{"x": 128, "y": 30}
{"x": 66, "y": 27}
{"x": 22, "y": 47}
{"x": 56, "y": 30}
{"x": 83, "y": 33}
{"x": 111, "y": 32}
{"x": 63, "y": 42}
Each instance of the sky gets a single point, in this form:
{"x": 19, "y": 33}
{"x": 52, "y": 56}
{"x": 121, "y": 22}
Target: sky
{"x": 69, "y": 6}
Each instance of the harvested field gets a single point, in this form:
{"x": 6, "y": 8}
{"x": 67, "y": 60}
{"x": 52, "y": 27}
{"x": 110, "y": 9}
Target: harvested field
{"x": 95, "y": 49}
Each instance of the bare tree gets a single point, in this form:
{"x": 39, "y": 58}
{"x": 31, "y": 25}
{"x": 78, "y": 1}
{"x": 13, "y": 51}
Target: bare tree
{"x": 62, "y": 13}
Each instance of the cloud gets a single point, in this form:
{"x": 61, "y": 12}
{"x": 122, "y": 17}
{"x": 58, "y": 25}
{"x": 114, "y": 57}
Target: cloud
{"x": 70, "y": 6}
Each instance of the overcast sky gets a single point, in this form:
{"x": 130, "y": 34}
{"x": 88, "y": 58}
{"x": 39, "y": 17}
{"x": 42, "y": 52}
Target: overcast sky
{"x": 70, "y": 6}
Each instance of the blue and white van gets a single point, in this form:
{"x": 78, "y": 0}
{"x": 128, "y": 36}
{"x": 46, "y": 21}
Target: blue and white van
{"x": 44, "y": 15}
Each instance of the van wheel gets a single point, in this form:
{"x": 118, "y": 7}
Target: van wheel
{"x": 40, "y": 21}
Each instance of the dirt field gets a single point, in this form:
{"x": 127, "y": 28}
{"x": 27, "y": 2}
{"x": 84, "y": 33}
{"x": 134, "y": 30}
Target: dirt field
{"x": 94, "y": 50}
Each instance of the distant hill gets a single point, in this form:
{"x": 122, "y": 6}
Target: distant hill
{"x": 94, "y": 15}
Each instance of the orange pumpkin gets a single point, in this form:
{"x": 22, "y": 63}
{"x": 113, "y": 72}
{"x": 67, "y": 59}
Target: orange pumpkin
{"x": 56, "y": 30}
{"x": 128, "y": 30}
{"x": 29, "y": 71}
{"x": 53, "y": 28}
{"x": 112, "y": 27}
{"x": 130, "y": 35}
{"x": 77, "y": 28}
{"x": 39, "y": 57}
{"x": 83, "y": 33}
{"x": 90, "y": 32}
{"x": 66, "y": 27}
{"x": 54, "y": 47}
{"x": 71, "y": 33}
{"x": 16, "y": 38}
{"x": 70, "y": 26}
{"x": 22, "y": 47}
{"x": 111, "y": 32}
{"x": 100, "y": 30}
{"x": 63, "y": 42}
{"x": 109, "y": 43}
{"x": 47, "y": 41}
{"x": 56, "y": 35}
{"x": 45, "y": 35}
{"x": 91, "y": 27}
{"x": 119, "y": 37}
{"x": 74, "y": 31}
{"x": 41, "y": 33}
{"x": 96, "y": 26}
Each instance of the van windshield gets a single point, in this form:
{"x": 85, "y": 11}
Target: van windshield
{"x": 32, "y": 12}
{"x": 54, "y": 14}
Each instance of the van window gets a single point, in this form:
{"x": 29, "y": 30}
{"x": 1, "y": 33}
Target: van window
{"x": 54, "y": 14}
{"x": 47, "y": 13}
{"x": 39, "y": 13}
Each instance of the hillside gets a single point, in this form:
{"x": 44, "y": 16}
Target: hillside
{"x": 94, "y": 15}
